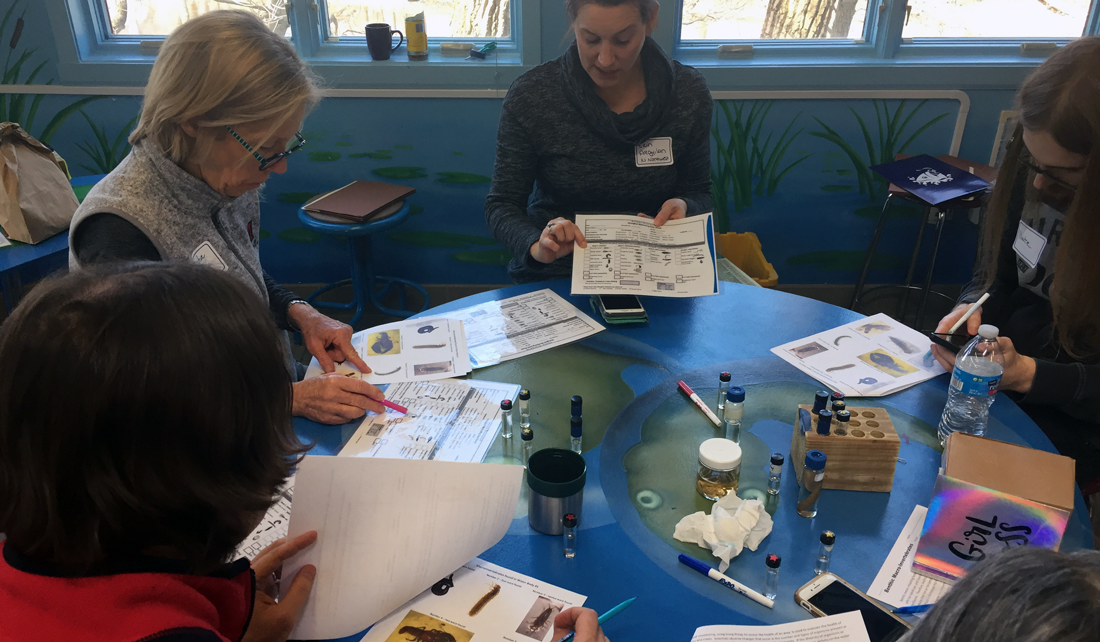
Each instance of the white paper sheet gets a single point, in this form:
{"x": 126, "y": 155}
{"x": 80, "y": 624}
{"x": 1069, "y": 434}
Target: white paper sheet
{"x": 896, "y": 584}
{"x": 846, "y": 627}
{"x": 521, "y": 325}
{"x": 872, "y": 357}
{"x": 389, "y": 529}
{"x": 631, "y": 255}
{"x": 448, "y": 420}
{"x": 4, "y": 242}
{"x": 514, "y": 607}
{"x": 273, "y": 526}
{"x": 413, "y": 350}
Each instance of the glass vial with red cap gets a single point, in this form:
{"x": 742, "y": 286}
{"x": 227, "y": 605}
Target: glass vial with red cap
{"x": 723, "y": 386}
{"x": 506, "y": 419}
{"x": 569, "y": 535}
{"x": 771, "y": 576}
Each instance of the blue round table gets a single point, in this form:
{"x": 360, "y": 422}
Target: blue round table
{"x": 693, "y": 339}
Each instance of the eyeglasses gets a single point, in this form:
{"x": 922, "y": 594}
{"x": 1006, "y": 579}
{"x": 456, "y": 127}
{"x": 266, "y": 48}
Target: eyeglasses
{"x": 1025, "y": 160}
{"x": 292, "y": 147}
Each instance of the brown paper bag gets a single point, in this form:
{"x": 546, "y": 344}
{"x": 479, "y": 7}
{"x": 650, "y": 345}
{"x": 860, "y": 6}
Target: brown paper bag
{"x": 36, "y": 200}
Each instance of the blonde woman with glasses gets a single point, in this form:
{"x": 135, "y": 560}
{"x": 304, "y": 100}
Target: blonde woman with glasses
{"x": 222, "y": 110}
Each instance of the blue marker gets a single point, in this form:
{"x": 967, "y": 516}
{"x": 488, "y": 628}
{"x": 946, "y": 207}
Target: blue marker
{"x": 913, "y": 610}
{"x": 725, "y": 581}
{"x": 605, "y": 617}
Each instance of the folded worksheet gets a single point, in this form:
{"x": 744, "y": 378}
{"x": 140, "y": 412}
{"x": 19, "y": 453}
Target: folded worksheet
{"x": 448, "y": 420}
{"x": 896, "y": 584}
{"x": 389, "y": 529}
{"x": 411, "y": 350}
{"x": 846, "y": 627}
{"x": 479, "y": 600}
{"x": 872, "y": 357}
{"x": 521, "y": 325}
{"x": 631, "y": 255}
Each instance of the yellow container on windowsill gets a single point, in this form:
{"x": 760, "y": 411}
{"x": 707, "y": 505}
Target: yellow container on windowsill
{"x": 743, "y": 250}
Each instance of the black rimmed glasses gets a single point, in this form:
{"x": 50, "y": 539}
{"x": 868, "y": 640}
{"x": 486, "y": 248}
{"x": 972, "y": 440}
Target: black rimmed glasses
{"x": 291, "y": 147}
{"x": 1025, "y": 159}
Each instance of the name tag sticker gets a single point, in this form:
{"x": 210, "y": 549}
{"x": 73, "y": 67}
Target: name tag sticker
{"x": 654, "y": 152}
{"x": 1029, "y": 244}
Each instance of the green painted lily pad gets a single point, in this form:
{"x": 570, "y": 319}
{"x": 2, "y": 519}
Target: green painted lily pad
{"x": 843, "y": 172}
{"x": 439, "y": 239}
{"x": 295, "y": 198}
{"x": 400, "y": 172}
{"x": 342, "y": 143}
{"x": 415, "y": 209}
{"x": 458, "y": 153}
{"x": 462, "y": 178}
{"x": 378, "y": 155}
{"x": 837, "y": 188}
{"x": 324, "y": 156}
{"x": 300, "y": 235}
{"x": 402, "y": 146}
{"x": 846, "y": 260}
{"x": 384, "y": 151}
{"x": 499, "y": 256}
{"x": 264, "y": 234}
{"x": 315, "y": 134}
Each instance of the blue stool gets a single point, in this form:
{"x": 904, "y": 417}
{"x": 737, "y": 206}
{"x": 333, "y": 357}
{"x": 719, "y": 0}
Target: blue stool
{"x": 364, "y": 282}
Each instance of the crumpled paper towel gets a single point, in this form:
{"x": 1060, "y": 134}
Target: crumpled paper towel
{"x": 733, "y": 524}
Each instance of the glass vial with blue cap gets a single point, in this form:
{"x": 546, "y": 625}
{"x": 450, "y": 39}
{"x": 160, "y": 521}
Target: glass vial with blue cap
{"x": 524, "y": 408}
{"x": 734, "y": 410}
{"x": 506, "y": 419}
{"x": 723, "y": 387}
{"x": 569, "y": 535}
{"x": 575, "y": 434}
{"x": 528, "y": 437}
{"x": 813, "y": 478}
{"x": 825, "y": 552}
{"x": 824, "y": 422}
{"x": 771, "y": 575}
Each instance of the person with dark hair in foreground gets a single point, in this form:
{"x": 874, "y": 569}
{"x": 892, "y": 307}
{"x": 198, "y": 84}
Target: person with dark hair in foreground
{"x": 145, "y": 425}
{"x": 1023, "y": 594}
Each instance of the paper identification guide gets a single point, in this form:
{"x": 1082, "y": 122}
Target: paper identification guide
{"x": 896, "y": 584}
{"x": 413, "y": 350}
{"x": 479, "y": 601}
{"x": 631, "y": 255}
{"x": 272, "y": 527}
{"x": 872, "y": 357}
{"x": 521, "y": 325}
{"x": 845, "y": 627}
{"x": 387, "y": 530}
{"x": 448, "y": 420}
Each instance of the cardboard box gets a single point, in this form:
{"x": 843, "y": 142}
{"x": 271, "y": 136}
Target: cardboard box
{"x": 1036, "y": 475}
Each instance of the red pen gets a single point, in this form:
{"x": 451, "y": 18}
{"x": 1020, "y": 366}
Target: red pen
{"x": 399, "y": 408}
{"x": 699, "y": 402}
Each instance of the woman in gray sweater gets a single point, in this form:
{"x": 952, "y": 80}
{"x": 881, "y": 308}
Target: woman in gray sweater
{"x": 573, "y": 130}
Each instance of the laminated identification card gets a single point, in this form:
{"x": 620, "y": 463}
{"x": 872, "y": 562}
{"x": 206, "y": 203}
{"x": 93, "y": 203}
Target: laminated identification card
{"x": 654, "y": 152}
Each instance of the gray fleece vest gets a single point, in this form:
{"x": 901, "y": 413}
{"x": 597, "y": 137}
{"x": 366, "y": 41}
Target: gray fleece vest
{"x": 185, "y": 218}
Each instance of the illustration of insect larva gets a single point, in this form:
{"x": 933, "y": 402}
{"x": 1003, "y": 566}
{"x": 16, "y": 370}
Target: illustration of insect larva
{"x": 382, "y": 374}
{"x": 541, "y": 620}
{"x": 432, "y": 345}
{"x": 843, "y": 367}
{"x": 485, "y": 599}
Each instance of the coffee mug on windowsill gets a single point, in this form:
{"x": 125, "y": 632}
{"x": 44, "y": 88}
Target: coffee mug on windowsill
{"x": 380, "y": 39}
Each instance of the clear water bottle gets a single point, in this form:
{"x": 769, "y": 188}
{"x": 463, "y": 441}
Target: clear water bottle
{"x": 974, "y": 383}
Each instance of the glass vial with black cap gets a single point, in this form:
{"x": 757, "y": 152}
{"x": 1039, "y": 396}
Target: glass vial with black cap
{"x": 569, "y": 535}
{"x": 506, "y": 419}
{"x": 825, "y": 552}
{"x": 524, "y": 408}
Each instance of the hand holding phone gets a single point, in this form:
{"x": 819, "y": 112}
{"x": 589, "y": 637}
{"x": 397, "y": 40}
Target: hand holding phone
{"x": 954, "y": 342}
{"x": 827, "y": 594}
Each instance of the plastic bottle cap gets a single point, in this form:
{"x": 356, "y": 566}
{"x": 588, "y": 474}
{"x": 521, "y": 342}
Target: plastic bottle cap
{"x": 773, "y": 560}
{"x": 824, "y": 420}
{"x": 506, "y": 404}
{"x": 527, "y": 434}
{"x": 987, "y": 331}
{"x": 724, "y": 377}
{"x": 719, "y": 454}
{"x": 575, "y": 405}
{"x": 815, "y": 459}
{"x": 843, "y": 416}
{"x": 838, "y": 396}
{"x": 821, "y": 399}
{"x": 777, "y": 459}
{"x": 839, "y": 405}
{"x": 525, "y": 395}
{"x": 828, "y": 538}
{"x": 569, "y": 521}
{"x": 736, "y": 394}
{"x": 574, "y": 427}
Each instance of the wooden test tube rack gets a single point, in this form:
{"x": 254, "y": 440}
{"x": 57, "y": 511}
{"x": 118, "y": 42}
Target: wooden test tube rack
{"x": 861, "y": 456}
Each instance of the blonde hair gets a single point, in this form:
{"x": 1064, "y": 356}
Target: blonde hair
{"x": 221, "y": 68}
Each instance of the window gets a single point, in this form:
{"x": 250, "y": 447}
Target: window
{"x": 1016, "y": 19}
{"x": 160, "y": 17}
{"x": 773, "y": 19}
{"x": 443, "y": 18}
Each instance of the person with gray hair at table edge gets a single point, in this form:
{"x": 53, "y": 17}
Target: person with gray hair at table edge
{"x": 222, "y": 109}
{"x": 1023, "y": 594}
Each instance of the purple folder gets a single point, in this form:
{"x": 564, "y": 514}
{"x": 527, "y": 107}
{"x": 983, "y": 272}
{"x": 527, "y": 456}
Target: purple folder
{"x": 930, "y": 179}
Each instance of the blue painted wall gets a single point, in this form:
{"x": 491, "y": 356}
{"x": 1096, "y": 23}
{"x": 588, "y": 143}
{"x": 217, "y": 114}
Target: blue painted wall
{"x": 814, "y": 227}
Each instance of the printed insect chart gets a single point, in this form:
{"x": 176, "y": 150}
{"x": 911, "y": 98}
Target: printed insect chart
{"x": 272, "y": 527}
{"x": 480, "y": 598}
{"x": 872, "y": 357}
{"x": 631, "y": 255}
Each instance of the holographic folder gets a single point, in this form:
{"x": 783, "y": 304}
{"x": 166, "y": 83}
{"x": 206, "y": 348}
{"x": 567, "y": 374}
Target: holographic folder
{"x": 967, "y": 523}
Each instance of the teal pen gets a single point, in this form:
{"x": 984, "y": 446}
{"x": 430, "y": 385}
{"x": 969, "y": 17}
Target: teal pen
{"x": 605, "y": 617}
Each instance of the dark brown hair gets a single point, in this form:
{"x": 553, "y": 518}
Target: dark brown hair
{"x": 141, "y": 405}
{"x": 646, "y": 8}
{"x": 1062, "y": 97}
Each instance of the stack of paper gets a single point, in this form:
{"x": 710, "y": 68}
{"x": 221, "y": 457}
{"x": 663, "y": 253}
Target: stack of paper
{"x": 896, "y": 584}
{"x": 846, "y": 627}
{"x": 413, "y": 350}
{"x": 872, "y": 357}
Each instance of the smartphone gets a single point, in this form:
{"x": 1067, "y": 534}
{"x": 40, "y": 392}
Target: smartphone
{"x": 620, "y": 305}
{"x": 953, "y": 342}
{"x": 827, "y": 594}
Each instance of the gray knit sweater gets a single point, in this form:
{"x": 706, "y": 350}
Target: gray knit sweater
{"x": 561, "y": 139}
